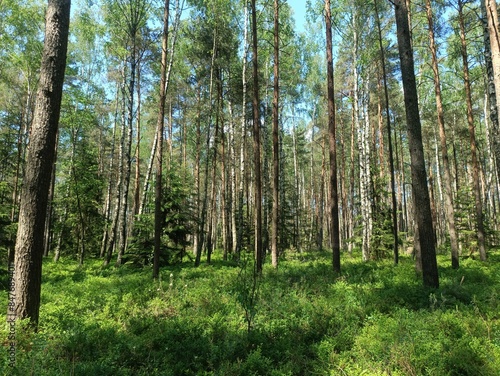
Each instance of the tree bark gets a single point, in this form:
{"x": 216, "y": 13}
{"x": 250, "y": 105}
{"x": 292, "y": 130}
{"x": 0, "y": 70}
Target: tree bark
{"x": 276, "y": 170}
{"x": 334, "y": 201}
{"x": 389, "y": 141}
{"x": 256, "y": 145}
{"x": 492, "y": 52}
{"x": 472, "y": 137}
{"x": 39, "y": 164}
{"x": 449, "y": 206}
{"x": 160, "y": 126}
{"x": 418, "y": 172}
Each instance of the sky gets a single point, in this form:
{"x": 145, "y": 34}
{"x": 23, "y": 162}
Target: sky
{"x": 299, "y": 9}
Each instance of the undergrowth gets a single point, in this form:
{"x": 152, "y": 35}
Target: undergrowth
{"x": 376, "y": 319}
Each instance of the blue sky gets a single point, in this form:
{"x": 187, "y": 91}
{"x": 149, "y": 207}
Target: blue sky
{"x": 299, "y": 8}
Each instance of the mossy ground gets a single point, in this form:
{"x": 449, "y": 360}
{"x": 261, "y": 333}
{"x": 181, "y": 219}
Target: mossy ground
{"x": 376, "y": 319}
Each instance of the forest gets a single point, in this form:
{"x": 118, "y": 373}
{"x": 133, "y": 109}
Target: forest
{"x": 202, "y": 187}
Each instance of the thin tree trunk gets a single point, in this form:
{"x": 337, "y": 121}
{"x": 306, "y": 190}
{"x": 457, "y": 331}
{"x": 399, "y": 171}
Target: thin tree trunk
{"x": 256, "y": 146}
{"x": 492, "y": 57}
{"x": 472, "y": 136}
{"x": 64, "y": 218}
{"x": 276, "y": 170}
{"x": 160, "y": 126}
{"x": 389, "y": 141}
{"x": 213, "y": 195}
{"x": 334, "y": 201}
{"x": 48, "y": 220}
{"x": 203, "y": 217}
{"x": 137, "y": 181}
{"x": 123, "y": 223}
{"x": 418, "y": 170}
{"x": 147, "y": 178}
{"x": 241, "y": 188}
{"x": 449, "y": 206}
{"x": 233, "y": 195}
{"x": 197, "y": 183}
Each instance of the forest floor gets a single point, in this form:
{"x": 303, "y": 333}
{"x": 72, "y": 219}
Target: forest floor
{"x": 376, "y": 319}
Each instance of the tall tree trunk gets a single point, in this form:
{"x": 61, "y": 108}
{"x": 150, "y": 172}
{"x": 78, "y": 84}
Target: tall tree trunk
{"x": 418, "y": 172}
{"x": 123, "y": 223}
{"x": 113, "y": 228}
{"x": 197, "y": 183}
{"x": 276, "y": 151}
{"x": 256, "y": 145}
{"x": 334, "y": 200}
{"x": 233, "y": 193}
{"x": 160, "y": 126}
{"x": 203, "y": 216}
{"x": 152, "y": 155}
{"x": 213, "y": 195}
{"x": 492, "y": 54}
{"x": 137, "y": 180}
{"x": 389, "y": 141}
{"x": 472, "y": 136}
{"x": 449, "y": 206}
{"x": 48, "y": 220}
{"x": 320, "y": 235}
{"x": 296, "y": 191}
{"x": 24, "y": 126}
{"x": 39, "y": 163}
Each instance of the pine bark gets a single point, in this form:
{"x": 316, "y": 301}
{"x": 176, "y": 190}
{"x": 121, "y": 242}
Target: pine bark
{"x": 472, "y": 137}
{"x": 160, "y": 126}
{"x": 448, "y": 190}
{"x": 334, "y": 201}
{"x": 422, "y": 210}
{"x": 492, "y": 52}
{"x": 389, "y": 141}
{"x": 39, "y": 165}
{"x": 256, "y": 146}
{"x": 276, "y": 171}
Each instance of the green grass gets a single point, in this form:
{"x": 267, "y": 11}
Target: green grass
{"x": 376, "y": 319}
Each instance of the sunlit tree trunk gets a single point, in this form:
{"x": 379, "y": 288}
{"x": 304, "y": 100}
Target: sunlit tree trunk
{"x": 276, "y": 171}
{"x": 334, "y": 201}
{"x": 389, "y": 141}
{"x": 137, "y": 180}
{"x": 448, "y": 190}
{"x": 256, "y": 145}
{"x": 472, "y": 136}
{"x": 492, "y": 55}
{"x": 418, "y": 170}
{"x": 39, "y": 163}
{"x": 160, "y": 126}
{"x": 243, "y": 137}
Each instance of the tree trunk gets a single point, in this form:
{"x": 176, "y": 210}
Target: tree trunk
{"x": 418, "y": 172}
{"x": 276, "y": 170}
{"x": 137, "y": 180}
{"x": 48, "y": 220}
{"x": 389, "y": 142}
{"x": 160, "y": 126}
{"x": 472, "y": 136}
{"x": 39, "y": 163}
{"x": 203, "y": 216}
{"x": 334, "y": 201}
{"x": 449, "y": 206}
{"x": 492, "y": 52}
{"x": 256, "y": 145}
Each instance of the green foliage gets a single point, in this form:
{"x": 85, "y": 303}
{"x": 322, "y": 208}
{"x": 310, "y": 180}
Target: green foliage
{"x": 374, "y": 320}
{"x": 178, "y": 222}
